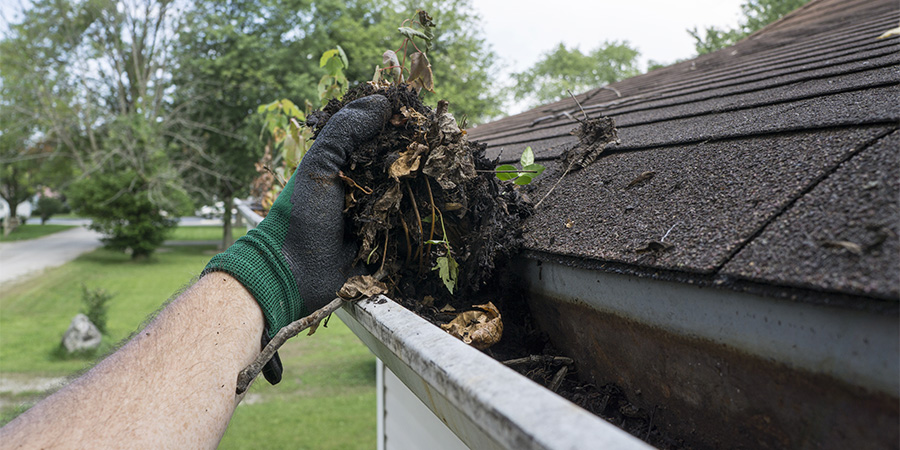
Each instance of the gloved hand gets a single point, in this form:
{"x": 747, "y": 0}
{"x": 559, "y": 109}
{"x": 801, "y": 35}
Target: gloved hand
{"x": 296, "y": 259}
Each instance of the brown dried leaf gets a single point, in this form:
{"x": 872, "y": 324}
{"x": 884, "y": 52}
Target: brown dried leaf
{"x": 361, "y": 286}
{"x": 480, "y": 329}
{"x": 654, "y": 247}
{"x": 388, "y": 203}
{"x": 450, "y": 165}
{"x": 420, "y": 69}
{"x": 408, "y": 161}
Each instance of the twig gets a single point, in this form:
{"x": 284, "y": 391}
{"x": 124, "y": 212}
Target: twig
{"x": 554, "y": 186}
{"x": 408, "y": 243}
{"x": 506, "y": 171}
{"x": 579, "y": 105}
{"x": 412, "y": 198}
{"x": 277, "y": 177}
{"x": 650, "y": 426}
{"x": 610, "y": 88}
{"x": 558, "y": 378}
{"x": 294, "y": 328}
{"x": 538, "y": 359}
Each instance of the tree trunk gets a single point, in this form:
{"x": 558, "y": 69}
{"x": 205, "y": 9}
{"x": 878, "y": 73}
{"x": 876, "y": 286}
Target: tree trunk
{"x": 227, "y": 235}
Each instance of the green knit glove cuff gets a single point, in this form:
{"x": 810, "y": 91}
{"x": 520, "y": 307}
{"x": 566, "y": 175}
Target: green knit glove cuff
{"x": 256, "y": 261}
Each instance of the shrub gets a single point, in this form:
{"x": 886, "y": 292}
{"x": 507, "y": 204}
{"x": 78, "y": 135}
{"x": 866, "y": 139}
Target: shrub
{"x": 47, "y": 207}
{"x": 95, "y": 305}
{"x": 121, "y": 207}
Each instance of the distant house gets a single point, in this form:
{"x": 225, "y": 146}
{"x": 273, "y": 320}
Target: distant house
{"x": 739, "y": 247}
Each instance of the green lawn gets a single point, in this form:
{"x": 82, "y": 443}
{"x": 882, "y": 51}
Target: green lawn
{"x": 203, "y": 233}
{"x": 327, "y": 397}
{"x": 29, "y": 231}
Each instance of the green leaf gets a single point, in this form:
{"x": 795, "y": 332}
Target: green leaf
{"x": 261, "y": 109}
{"x": 343, "y": 57}
{"x": 448, "y": 270}
{"x": 327, "y": 56}
{"x": 527, "y": 157}
{"x": 508, "y": 175}
{"x": 410, "y": 33}
{"x": 527, "y": 177}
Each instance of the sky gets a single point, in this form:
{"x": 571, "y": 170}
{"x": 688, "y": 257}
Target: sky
{"x": 520, "y": 31}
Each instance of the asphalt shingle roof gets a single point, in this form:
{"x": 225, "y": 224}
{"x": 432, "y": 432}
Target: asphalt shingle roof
{"x": 764, "y": 155}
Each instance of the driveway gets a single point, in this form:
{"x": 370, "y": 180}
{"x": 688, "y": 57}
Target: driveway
{"x": 23, "y": 258}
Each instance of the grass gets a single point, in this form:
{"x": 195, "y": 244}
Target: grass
{"x": 326, "y": 399}
{"x": 28, "y": 231}
{"x": 203, "y": 233}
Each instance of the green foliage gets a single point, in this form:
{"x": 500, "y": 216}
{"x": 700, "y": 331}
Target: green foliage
{"x": 334, "y": 83}
{"x": 757, "y": 14}
{"x": 96, "y": 305}
{"x": 569, "y": 69}
{"x": 121, "y": 208}
{"x": 529, "y": 171}
{"x": 47, "y": 207}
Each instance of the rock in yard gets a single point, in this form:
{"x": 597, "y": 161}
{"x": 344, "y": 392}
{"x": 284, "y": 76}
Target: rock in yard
{"x": 82, "y": 335}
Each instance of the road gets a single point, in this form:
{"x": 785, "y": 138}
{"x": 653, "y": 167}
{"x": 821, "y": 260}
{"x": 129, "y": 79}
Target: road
{"x": 22, "y": 258}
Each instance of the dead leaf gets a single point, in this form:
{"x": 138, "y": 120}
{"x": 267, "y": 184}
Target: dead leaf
{"x": 641, "y": 178}
{"x": 361, "y": 286}
{"x": 387, "y": 204}
{"x": 480, "y": 329}
{"x": 448, "y": 309}
{"x": 851, "y": 247}
{"x": 593, "y": 137}
{"x": 654, "y": 247}
{"x": 408, "y": 161}
{"x": 450, "y": 165}
{"x": 420, "y": 74}
{"x": 389, "y": 59}
{"x": 428, "y": 300}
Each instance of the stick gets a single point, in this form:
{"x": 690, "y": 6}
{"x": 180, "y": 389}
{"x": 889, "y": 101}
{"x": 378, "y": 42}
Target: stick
{"x": 294, "y": 328}
{"x": 537, "y": 359}
{"x": 558, "y": 378}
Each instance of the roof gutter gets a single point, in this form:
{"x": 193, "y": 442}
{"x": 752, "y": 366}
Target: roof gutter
{"x": 486, "y": 404}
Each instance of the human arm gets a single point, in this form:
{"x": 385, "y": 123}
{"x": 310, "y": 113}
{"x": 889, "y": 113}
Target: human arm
{"x": 173, "y": 384}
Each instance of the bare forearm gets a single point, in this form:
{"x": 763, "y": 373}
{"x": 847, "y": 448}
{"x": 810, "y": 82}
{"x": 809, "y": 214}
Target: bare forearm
{"x": 176, "y": 379}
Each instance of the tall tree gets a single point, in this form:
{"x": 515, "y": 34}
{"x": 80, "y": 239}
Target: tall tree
{"x": 756, "y": 15}
{"x": 563, "y": 68}
{"x": 99, "y": 71}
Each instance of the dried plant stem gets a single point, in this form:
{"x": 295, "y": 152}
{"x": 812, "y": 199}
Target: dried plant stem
{"x": 538, "y": 359}
{"x": 558, "y": 378}
{"x": 554, "y": 186}
{"x": 246, "y": 376}
{"x": 412, "y": 198}
{"x": 408, "y": 243}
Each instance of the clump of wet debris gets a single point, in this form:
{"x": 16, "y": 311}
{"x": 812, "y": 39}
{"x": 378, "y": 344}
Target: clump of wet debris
{"x": 432, "y": 220}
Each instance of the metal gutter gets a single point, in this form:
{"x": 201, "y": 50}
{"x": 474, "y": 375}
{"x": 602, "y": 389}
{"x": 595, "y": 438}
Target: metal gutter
{"x": 487, "y": 405}
{"x": 484, "y": 403}
{"x": 858, "y": 347}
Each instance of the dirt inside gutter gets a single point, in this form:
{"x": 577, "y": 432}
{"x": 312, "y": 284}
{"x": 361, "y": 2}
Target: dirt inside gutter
{"x": 422, "y": 181}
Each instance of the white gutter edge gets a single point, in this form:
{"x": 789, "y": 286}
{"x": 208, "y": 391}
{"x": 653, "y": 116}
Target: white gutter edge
{"x": 486, "y": 404}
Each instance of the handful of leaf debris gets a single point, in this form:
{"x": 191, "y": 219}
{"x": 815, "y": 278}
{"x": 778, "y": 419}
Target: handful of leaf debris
{"x": 431, "y": 218}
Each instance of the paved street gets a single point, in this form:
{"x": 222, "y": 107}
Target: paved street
{"x": 22, "y": 258}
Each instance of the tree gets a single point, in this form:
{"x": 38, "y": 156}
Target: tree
{"x": 99, "y": 95}
{"x": 564, "y": 68}
{"x": 120, "y": 210}
{"x": 757, "y": 14}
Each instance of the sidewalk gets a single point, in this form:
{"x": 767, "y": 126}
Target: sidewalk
{"x": 19, "y": 259}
